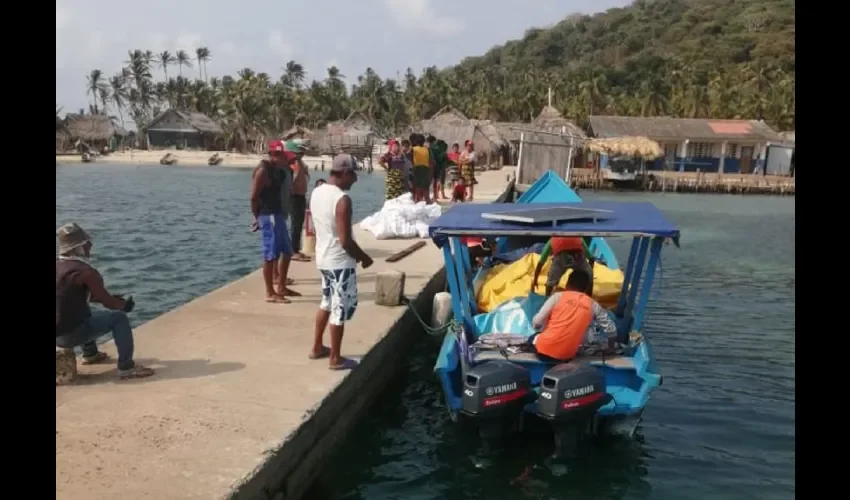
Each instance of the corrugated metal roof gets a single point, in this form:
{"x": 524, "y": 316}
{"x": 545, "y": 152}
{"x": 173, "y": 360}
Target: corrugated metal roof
{"x": 682, "y": 128}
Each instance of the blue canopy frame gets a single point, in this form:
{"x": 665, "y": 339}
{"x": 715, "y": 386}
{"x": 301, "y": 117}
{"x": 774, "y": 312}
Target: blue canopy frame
{"x": 643, "y": 221}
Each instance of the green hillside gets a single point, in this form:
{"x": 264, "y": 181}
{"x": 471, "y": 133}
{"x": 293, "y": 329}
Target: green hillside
{"x": 690, "y": 58}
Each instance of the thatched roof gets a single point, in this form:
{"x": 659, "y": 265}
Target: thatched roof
{"x": 357, "y": 124}
{"x": 679, "y": 129}
{"x": 452, "y": 126}
{"x": 92, "y": 127}
{"x": 172, "y": 120}
{"x": 510, "y": 131}
{"x": 491, "y": 132}
{"x": 298, "y": 132}
{"x": 626, "y": 146}
{"x": 551, "y": 120}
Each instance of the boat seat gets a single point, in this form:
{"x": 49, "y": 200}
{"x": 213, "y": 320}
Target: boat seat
{"x": 615, "y": 361}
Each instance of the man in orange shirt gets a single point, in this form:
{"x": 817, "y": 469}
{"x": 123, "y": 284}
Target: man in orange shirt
{"x": 571, "y": 321}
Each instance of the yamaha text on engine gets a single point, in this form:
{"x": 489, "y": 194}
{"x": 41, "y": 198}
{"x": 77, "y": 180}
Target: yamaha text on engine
{"x": 494, "y": 395}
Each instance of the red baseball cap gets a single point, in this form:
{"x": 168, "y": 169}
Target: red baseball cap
{"x": 276, "y": 146}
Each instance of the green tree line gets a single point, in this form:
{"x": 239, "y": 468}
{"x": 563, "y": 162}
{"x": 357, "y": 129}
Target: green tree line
{"x": 685, "y": 58}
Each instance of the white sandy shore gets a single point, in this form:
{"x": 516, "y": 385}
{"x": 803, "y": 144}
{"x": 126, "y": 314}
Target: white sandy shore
{"x": 188, "y": 159}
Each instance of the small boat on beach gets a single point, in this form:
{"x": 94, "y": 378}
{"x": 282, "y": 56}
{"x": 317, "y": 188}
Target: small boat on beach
{"x": 215, "y": 159}
{"x": 489, "y": 375}
{"x": 168, "y": 159}
{"x": 87, "y": 157}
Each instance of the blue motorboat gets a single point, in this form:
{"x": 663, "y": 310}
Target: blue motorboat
{"x": 496, "y": 388}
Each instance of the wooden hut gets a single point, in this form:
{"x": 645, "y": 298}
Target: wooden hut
{"x": 452, "y": 126}
{"x": 511, "y": 133}
{"x": 551, "y": 120}
{"x": 355, "y": 135}
{"x": 92, "y": 131}
{"x": 183, "y": 130}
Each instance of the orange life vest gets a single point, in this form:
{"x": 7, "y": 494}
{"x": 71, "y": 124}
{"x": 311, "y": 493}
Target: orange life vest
{"x": 567, "y": 326}
{"x": 566, "y": 244}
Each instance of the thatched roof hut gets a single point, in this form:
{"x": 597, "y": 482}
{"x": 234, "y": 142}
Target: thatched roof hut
{"x": 298, "y": 132}
{"x": 92, "y": 128}
{"x": 452, "y": 126}
{"x": 640, "y": 147}
{"x": 186, "y": 122}
{"x": 551, "y": 120}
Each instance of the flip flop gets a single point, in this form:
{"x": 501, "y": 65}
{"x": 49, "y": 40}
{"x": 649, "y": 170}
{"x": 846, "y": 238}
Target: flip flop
{"x": 324, "y": 353}
{"x": 345, "y": 364}
{"x": 277, "y": 300}
{"x": 300, "y": 258}
{"x": 290, "y": 293}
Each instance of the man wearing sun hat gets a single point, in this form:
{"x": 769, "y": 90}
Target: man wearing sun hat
{"x": 270, "y": 205}
{"x": 295, "y": 149}
{"x": 77, "y": 284}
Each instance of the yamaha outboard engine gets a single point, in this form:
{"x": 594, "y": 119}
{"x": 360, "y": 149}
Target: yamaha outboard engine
{"x": 570, "y": 395}
{"x": 494, "y": 395}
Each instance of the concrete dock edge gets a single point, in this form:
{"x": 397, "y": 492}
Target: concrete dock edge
{"x": 290, "y": 469}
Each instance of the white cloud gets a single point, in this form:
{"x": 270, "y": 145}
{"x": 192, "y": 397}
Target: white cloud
{"x": 188, "y": 42}
{"x": 63, "y": 15}
{"x": 279, "y": 45}
{"x": 95, "y": 45}
{"x": 411, "y": 13}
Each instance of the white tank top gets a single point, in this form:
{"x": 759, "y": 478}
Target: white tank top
{"x": 329, "y": 252}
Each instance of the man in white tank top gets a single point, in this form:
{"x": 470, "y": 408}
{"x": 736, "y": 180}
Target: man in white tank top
{"x": 337, "y": 255}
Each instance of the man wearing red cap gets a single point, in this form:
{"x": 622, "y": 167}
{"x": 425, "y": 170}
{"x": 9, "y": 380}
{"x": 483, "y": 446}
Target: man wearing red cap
{"x": 269, "y": 206}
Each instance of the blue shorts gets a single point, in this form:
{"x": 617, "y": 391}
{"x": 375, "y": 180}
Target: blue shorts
{"x": 275, "y": 235}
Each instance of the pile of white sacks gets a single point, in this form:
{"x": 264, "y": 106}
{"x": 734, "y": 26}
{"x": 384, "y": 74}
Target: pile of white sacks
{"x": 401, "y": 218}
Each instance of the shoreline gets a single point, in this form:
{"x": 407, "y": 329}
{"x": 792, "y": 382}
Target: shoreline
{"x": 188, "y": 159}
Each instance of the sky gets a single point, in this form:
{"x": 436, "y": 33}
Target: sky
{"x": 263, "y": 35}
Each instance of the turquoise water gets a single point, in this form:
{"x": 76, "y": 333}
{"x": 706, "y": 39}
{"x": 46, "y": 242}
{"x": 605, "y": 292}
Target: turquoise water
{"x": 168, "y": 235}
{"x": 721, "y": 426}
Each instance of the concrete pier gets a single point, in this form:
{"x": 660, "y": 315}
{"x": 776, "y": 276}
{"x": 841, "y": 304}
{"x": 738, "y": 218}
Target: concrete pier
{"x": 236, "y": 408}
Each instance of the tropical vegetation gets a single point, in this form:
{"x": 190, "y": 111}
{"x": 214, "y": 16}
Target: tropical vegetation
{"x": 685, "y": 58}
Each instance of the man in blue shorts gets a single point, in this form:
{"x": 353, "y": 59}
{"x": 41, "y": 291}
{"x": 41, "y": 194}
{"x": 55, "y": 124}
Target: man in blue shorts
{"x": 269, "y": 208}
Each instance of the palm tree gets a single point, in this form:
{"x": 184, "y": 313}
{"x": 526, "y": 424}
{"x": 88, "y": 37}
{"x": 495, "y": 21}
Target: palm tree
{"x": 118, "y": 87}
{"x": 165, "y": 59}
{"x": 183, "y": 59}
{"x": 294, "y": 74}
{"x": 202, "y": 54}
{"x": 253, "y": 106}
{"x": 95, "y": 87}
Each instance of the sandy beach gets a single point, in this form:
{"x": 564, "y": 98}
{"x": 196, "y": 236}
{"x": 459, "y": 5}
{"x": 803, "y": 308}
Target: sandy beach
{"x": 187, "y": 159}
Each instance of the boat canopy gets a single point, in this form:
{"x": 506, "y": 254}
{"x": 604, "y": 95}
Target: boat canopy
{"x": 613, "y": 219}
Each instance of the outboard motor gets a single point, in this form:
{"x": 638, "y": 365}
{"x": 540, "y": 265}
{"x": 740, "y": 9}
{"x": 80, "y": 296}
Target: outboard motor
{"x": 570, "y": 395}
{"x": 494, "y": 395}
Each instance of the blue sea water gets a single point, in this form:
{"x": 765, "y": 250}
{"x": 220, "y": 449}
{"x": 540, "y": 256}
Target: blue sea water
{"x": 722, "y": 328}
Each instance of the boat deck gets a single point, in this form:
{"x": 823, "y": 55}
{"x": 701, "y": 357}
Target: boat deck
{"x": 618, "y": 362}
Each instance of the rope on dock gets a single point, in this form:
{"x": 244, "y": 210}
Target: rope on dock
{"x": 430, "y": 330}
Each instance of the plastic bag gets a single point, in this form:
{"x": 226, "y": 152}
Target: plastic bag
{"x": 401, "y": 218}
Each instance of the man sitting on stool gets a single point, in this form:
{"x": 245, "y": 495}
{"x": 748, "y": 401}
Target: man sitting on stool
{"x": 77, "y": 283}
{"x": 572, "y": 321}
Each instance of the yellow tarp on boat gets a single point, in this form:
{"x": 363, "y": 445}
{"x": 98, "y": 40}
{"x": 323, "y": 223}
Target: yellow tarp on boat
{"x": 509, "y": 281}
